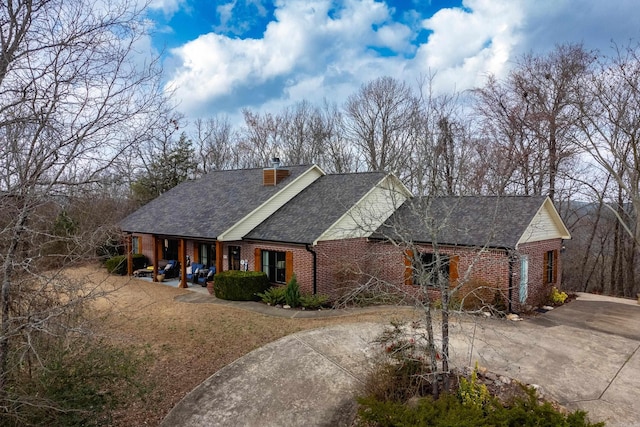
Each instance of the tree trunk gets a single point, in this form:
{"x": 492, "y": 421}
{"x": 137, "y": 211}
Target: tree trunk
{"x": 5, "y": 298}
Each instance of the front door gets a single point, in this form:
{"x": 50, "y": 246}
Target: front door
{"x": 170, "y": 249}
{"x": 234, "y": 257}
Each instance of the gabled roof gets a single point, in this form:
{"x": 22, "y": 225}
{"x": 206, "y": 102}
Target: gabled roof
{"x": 546, "y": 224}
{"x": 207, "y": 207}
{"x": 314, "y": 210}
{"x": 497, "y": 222}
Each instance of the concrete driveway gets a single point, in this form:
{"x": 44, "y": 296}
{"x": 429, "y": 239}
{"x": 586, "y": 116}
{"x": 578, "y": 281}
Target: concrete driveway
{"x": 584, "y": 354}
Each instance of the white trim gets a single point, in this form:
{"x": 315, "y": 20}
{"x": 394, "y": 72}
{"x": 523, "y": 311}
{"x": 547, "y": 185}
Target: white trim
{"x": 560, "y": 232}
{"x": 394, "y": 185}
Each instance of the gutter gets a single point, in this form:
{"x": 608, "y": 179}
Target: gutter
{"x": 315, "y": 268}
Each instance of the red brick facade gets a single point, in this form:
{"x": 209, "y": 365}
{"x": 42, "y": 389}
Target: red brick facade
{"x": 343, "y": 265}
{"x": 539, "y": 286}
{"x": 488, "y": 268}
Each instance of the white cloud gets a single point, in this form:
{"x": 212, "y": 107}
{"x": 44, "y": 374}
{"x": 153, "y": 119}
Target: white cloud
{"x": 467, "y": 44}
{"x": 237, "y": 16}
{"x": 315, "y": 50}
{"x": 303, "y": 43}
{"x": 225, "y": 14}
{"x": 167, "y": 7}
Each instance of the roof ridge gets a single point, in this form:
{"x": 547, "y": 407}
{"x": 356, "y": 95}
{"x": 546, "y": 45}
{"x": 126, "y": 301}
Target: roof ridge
{"x": 488, "y": 196}
{"x": 356, "y": 173}
{"x": 260, "y": 168}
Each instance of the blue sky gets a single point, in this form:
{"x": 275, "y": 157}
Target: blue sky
{"x": 182, "y": 21}
{"x": 222, "y": 56}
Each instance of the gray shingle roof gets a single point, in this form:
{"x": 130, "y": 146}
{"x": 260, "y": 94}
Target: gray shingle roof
{"x": 206, "y": 207}
{"x": 497, "y": 222}
{"x": 315, "y": 209}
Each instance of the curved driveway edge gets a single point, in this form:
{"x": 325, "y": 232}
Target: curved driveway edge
{"x": 305, "y": 379}
{"x": 585, "y": 354}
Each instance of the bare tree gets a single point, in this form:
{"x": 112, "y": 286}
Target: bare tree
{"x": 303, "y": 134}
{"x": 531, "y": 118}
{"x": 260, "y": 139}
{"x": 215, "y": 142}
{"x": 75, "y": 95}
{"x": 338, "y": 155}
{"x": 441, "y": 156}
{"x": 315, "y": 135}
{"x": 610, "y": 125}
{"x": 379, "y": 123}
{"x": 505, "y": 147}
{"x": 424, "y": 232}
{"x": 547, "y": 85}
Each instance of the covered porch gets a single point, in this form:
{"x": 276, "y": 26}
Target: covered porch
{"x": 173, "y": 248}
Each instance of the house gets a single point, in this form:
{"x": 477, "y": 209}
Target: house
{"x": 332, "y": 230}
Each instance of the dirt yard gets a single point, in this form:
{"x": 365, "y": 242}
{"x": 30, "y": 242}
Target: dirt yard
{"x": 185, "y": 343}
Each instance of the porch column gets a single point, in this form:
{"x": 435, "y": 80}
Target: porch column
{"x": 182, "y": 257}
{"x": 219, "y": 246}
{"x": 129, "y": 255}
{"x": 155, "y": 258}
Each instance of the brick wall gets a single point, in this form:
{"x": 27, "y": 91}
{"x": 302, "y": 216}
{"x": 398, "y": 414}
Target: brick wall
{"x": 538, "y": 288}
{"x": 302, "y": 259}
{"x": 146, "y": 244}
{"x": 343, "y": 265}
{"x": 487, "y": 268}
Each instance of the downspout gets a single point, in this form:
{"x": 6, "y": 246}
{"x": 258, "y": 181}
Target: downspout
{"x": 315, "y": 268}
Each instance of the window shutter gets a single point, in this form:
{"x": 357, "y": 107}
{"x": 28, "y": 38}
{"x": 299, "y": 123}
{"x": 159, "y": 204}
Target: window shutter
{"x": 408, "y": 267}
{"x": 257, "y": 263}
{"x": 288, "y": 266}
{"x": 545, "y": 267}
{"x": 453, "y": 270}
{"x": 196, "y": 252}
{"x": 555, "y": 266}
{"x": 138, "y": 240}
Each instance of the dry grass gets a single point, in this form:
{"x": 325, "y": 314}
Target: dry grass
{"x": 184, "y": 343}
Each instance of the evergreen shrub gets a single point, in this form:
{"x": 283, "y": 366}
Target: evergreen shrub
{"x": 234, "y": 285}
{"x": 274, "y": 295}
{"x": 314, "y": 302}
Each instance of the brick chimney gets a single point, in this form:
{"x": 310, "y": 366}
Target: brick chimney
{"x": 275, "y": 174}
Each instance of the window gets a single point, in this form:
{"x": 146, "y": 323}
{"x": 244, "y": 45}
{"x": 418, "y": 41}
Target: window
{"x": 207, "y": 254}
{"x": 550, "y": 266}
{"x": 170, "y": 249}
{"x": 274, "y": 265}
{"x": 135, "y": 245}
{"x": 425, "y": 272}
{"x": 234, "y": 257}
